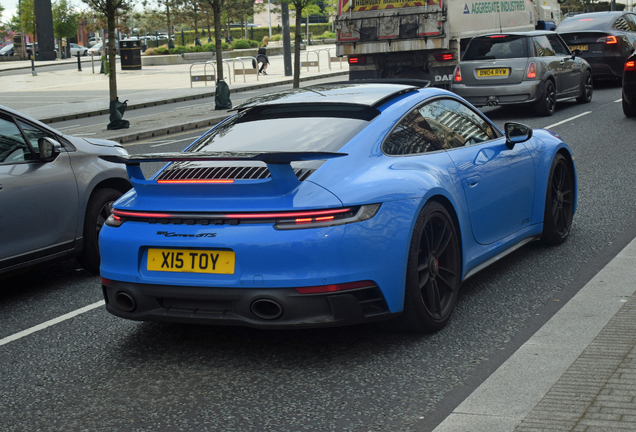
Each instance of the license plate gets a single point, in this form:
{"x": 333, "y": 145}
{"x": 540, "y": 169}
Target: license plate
{"x": 492, "y": 72}
{"x": 191, "y": 261}
{"x": 579, "y": 47}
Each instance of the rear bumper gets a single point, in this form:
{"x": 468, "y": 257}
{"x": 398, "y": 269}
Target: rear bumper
{"x": 481, "y": 95}
{"x": 259, "y": 308}
{"x": 606, "y": 67}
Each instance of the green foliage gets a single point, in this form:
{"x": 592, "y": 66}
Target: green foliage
{"x": 177, "y": 50}
{"x": 64, "y": 20}
{"x": 254, "y": 44}
{"x": 241, "y": 44}
{"x": 27, "y": 20}
{"x": 327, "y": 35}
{"x": 161, "y": 50}
{"x": 106, "y": 65}
{"x": 277, "y": 37}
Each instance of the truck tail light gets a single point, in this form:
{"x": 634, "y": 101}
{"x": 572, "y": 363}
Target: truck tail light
{"x": 357, "y": 60}
{"x": 630, "y": 66}
{"x": 532, "y": 71}
{"x": 608, "y": 40}
{"x": 457, "y": 76}
{"x": 444, "y": 57}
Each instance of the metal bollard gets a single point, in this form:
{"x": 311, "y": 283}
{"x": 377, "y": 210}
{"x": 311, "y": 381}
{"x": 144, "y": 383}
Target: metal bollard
{"x": 79, "y": 62}
{"x": 33, "y": 72}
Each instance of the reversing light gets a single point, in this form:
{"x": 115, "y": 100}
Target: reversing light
{"x": 357, "y": 60}
{"x": 444, "y": 57}
{"x": 630, "y": 66}
{"x": 608, "y": 40}
{"x": 457, "y": 76}
{"x": 334, "y": 287}
{"x": 532, "y": 71}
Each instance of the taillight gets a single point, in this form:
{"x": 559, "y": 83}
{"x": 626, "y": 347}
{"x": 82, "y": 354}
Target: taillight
{"x": 444, "y": 57}
{"x": 630, "y": 66}
{"x": 357, "y": 60}
{"x": 113, "y": 221}
{"x": 457, "y": 76}
{"x": 334, "y": 287}
{"x": 497, "y": 36}
{"x": 608, "y": 40}
{"x": 532, "y": 71}
{"x": 326, "y": 219}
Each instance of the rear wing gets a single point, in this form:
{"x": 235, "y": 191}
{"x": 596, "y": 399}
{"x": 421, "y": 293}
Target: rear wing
{"x": 278, "y": 163}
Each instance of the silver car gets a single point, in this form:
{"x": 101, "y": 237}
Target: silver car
{"x": 55, "y": 193}
{"x": 522, "y": 68}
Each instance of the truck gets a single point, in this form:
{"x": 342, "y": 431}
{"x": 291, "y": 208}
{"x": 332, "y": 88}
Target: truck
{"x": 424, "y": 39}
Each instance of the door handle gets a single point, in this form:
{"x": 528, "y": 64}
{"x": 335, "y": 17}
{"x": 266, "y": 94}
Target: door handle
{"x": 472, "y": 181}
{"x": 562, "y": 62}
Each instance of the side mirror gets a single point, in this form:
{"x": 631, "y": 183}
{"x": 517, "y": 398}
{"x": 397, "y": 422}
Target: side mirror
{"x": 516, "y": 133}
{"x": 49, "y": 149}
{"x": 577, "y": 53}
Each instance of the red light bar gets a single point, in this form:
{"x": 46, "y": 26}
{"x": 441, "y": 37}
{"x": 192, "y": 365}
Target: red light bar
{"x": 497, "y": 36}
{"x": 303, "y": 220}
{"x": 357, "y": 60}
{"x": 195, "y": 181}
{"x": 334, "y": 287}
{"x": 125, "y": 213}
{"x": 302, "y": 214}
{"x": 630, "y": 65}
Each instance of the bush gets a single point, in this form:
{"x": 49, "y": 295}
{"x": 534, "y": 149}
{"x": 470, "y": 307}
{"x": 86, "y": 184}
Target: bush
{"x": 178, "y": 50}
{"x": 161, "y": 50}
{"x": 225, "y": 46}
{"x": 241, "y": 44}
{"x": 276, "y": 37}
{"x": 150, "y": 51}
{"x": 254, "y": 44}
{"x": 209, "y": 47}
{"x": 327, "y": 35}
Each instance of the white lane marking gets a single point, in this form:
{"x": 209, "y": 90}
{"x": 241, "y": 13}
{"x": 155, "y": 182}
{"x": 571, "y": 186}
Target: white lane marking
{"x": 163, "y": 143}
{"x": 567, "y": 120}
{"x": 50, "y": 323}
{"x": 68, "y": 127}
{"x": 84, "y": 134}
{"x": 619, "y": 100}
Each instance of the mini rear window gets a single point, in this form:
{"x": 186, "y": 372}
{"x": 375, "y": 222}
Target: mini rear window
{"x": 496, "y": 48}
{"x": 288, "y": 128}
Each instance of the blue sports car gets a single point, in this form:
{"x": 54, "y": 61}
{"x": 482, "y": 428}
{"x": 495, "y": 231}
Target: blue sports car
{"x": 330, "y": 205}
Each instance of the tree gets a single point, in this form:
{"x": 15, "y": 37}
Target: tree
{"x": 64, "y": 20}
{"x": 3, "y": 29}
{"x": 27, "y": 17}
{"x": 110, "y": 8}
{"x": 217, "y": 6}
{"x": 299, "y": 6}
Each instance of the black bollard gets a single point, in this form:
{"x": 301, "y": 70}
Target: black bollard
{"x": 79, "y": 62}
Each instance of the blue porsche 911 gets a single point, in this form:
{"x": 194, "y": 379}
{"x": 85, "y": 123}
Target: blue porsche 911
{"x": 330, "y": 205}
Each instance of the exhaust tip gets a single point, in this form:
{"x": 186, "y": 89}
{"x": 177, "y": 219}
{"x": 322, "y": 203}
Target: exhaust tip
{"x": 125, "y": 301}
{"x": 266, "y": 309}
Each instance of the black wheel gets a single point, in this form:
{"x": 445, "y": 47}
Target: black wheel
{"x": 97, "y": 211}
{"x": 546, "y": 105}
{"x": 586, "y": 89}
{"x": 628, "y": 109}
{"x": 433, "y": 272}
{"x": 559, "y": 202}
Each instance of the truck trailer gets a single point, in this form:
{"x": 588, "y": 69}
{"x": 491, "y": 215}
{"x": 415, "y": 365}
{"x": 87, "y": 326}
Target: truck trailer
{"x": 424, "y": 39}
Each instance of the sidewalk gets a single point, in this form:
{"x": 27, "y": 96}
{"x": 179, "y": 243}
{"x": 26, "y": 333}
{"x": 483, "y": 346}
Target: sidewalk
{"x": 55, "y": 96}
{"x": 577, "y": 373}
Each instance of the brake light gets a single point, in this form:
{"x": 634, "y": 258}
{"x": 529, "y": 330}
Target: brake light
{"x": 608, "y": 40}
{"x": 335, "y": 287}
{"x": 444, "y": 57}
{"x": 497, "y": 36}
{"x": 630, "y": 66}
{"x": 357, "y": 60}
{"x": 458, "y": 74}
{"x": 532, "y": 71}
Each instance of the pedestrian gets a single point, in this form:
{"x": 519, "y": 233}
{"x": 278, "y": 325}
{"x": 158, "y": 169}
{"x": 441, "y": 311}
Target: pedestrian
{"x": 261, "y": 57}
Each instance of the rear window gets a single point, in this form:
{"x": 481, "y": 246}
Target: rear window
{"x": 496, "y": 47}
{"x": 288, "y": 128}
{"x": 582, "y": 23}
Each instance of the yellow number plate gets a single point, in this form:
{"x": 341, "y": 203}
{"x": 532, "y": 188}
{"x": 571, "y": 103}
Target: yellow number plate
{"x": 191, "y": 261}
{"x": 580, "y": 47}
{"x": 492, "y": 72}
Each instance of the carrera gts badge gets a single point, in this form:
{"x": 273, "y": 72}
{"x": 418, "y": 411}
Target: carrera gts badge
{"x": 174, "y": 234}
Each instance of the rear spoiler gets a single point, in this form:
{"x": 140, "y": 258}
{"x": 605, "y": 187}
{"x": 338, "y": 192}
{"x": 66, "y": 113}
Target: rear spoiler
{"x": 267, "y": 157}
{"x": 278, "y": 163}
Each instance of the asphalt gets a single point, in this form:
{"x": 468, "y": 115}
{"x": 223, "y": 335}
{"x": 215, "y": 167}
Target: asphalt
{"x": 565, "y": 377}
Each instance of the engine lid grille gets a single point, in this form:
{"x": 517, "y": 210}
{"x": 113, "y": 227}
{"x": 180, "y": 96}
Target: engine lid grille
{"x": 226, "y": 173}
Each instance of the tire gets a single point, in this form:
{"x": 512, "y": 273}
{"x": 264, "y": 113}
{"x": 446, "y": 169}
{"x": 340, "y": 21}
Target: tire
{"x": 559, "y": 202}
{"x": 628, "y": 109}
{"x": 97, "y": 211}
{"x": 587, "y": 89}
{"x": 433, "y": 272}
{"x": 547, "y": 104}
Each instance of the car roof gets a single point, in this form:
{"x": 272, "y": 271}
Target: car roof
{"x": 371, "y": 94}
{"x": 526, "y": 33}
{"x": 7, "y": 110}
